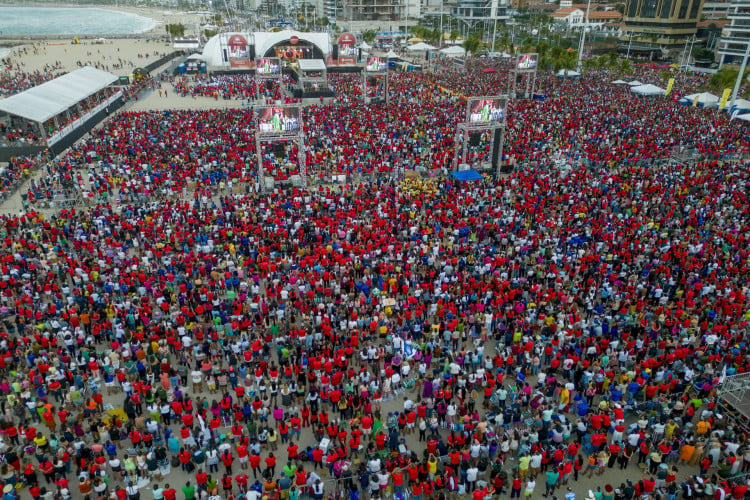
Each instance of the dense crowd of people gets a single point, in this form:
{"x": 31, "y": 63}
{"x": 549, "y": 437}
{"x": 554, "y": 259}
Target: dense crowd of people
{"x": 387, "y": 338}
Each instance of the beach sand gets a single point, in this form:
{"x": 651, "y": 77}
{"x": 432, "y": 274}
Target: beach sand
{"x": 118, "y": 55}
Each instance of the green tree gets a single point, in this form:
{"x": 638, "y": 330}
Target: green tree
{"x": 625, "y": 67}
{"x": 725, "y": 78}
{"x": 175, "y": 30}
{"x": 473, "y": 45}
{"x": 454, "y": 35}
{"x": 564, "y": 60}
{"x": 369, "y": 36}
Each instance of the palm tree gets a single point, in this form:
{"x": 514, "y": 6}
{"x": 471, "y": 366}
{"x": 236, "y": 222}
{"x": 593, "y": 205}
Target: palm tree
{"x": 566, "y": 61}
{"x": 724, "y": 78}
{"x": 369, "y": 36}
{"x": 626, "y": 67}
{"x": 473, "y": 45}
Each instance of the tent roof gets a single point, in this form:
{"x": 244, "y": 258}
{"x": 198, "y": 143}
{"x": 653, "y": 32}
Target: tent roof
{"x": 703, "y": 98}
{"x": 454, "y": 49}
{"x": 467, "y": 175}
{"x": 569, "y": 73}
{"x": 420, "y": 46}
{"x": 365, "y": 46}
{"x": 391, "y": 55}
{"x": 44, "y": 101}
{"x": 744, "y": 118}
{"x": 647, "y": 90}
{"x": 620, "y": 82}
{"x": 311, "y": 64}
{"x": 635, "y": 83}
{"x": 743, "y": 104}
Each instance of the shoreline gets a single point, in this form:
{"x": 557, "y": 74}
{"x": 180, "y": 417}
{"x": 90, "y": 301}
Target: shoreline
{"x": 158, "y": 18}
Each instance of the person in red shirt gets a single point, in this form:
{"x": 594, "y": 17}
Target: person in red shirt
{"x": 271, "y": 464}
{"x": 201, "y": 478}
{"x": 169, "y": 493}
{"x": 227, "y": 459}
{"x": 254, "y": 464}
{"x": 241, "y": 480}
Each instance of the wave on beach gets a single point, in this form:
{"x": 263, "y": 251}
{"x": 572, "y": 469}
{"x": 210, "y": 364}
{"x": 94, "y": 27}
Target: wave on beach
{"x": 72, "y": 21}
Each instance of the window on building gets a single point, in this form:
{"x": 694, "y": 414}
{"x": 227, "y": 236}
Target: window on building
{"x": 649, "y": 8}
{"x": 666, "y": 9}
{"x": 684, "y": 5}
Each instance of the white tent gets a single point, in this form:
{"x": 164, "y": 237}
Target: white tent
{"x": 619, "y": 82}
{"x": 744, "y": 118}
{"x": 635, "y": 83}
{"x": 569, "y": 73}
{"x": 420, "y": 46}
{"x": 40, "y": 103}
{"x": 647, "y": 90}
{"x": 742, "y": 104}
{"x": 391, "y": 55}
{"x": 704, "y": 98}
{"x": 365, "y": 46}
{"x": 454, "y": 51}
{"x": 195, "y": 57}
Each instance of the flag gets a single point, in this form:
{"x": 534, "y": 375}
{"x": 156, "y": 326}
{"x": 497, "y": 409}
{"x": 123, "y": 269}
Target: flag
{"x": 735, "y": 113}
{"x": 724, "y": 98}
{"x": 695, "y": 101}
{"x": 669, "y": 86}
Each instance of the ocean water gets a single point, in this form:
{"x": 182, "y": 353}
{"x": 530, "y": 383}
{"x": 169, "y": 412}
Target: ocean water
{"x": 70, "y": 21}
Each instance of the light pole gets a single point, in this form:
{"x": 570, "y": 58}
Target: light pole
{"x": 583, "y": 36}
{"x": 740, "y": 75}
{"x": 442, "y": 5}
{"x": 630, "y": 42}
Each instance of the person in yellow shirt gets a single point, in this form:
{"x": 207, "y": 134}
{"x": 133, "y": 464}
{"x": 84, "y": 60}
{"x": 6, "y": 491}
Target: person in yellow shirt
{"x": 564, "y": 399}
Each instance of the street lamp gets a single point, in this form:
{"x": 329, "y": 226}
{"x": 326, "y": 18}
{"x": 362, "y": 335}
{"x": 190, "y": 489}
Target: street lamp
{"x": 583, "y": 36}
{"x": 630, "y": 42}
{"x": 741, "y": 74}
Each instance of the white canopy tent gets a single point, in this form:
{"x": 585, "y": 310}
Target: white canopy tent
{"x": 704, "y": 99}
{"x": 365, "y": 46}
{"x": 195, "y": 57}
{"x": 420, "y": 46}
{"x": 742, "y": 104}
{"x": 619, "y": 82}
{"x": 45, "y": 101}
{"x": 391, "y": 55}
{"x": 635, "y": 83}
{"x": 744, "y": 118}
{"x": 454, "y": 51}
{"x": 568, "y": 73}
{"x": 647, "y": 90}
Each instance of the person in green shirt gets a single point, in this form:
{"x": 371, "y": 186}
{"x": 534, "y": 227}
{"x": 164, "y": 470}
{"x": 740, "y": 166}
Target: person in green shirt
{"x": 189, "y": 491}
{"x": 551, "y": 481}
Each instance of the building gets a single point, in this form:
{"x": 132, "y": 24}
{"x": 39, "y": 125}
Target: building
{"x": 474, "y": 11}
{"x": 736, "y": 35}
{"x": 661, "y": 24}
{"x": 716, "y": 9}
{"x": 380, "y": 15}
{"x": 575, "y": 17}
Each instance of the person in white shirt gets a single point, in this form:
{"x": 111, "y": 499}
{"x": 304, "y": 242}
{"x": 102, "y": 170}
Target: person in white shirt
{"x": 197, "y": 379}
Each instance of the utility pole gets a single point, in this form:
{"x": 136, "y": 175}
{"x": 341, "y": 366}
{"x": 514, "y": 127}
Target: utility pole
{"x": 741, "y": 74}
{"x": 583, "y": 36}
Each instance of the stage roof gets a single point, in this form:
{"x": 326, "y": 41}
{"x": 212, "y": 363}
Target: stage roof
{"x": 311, "y": 64}
{"x": 44, "y": 101}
